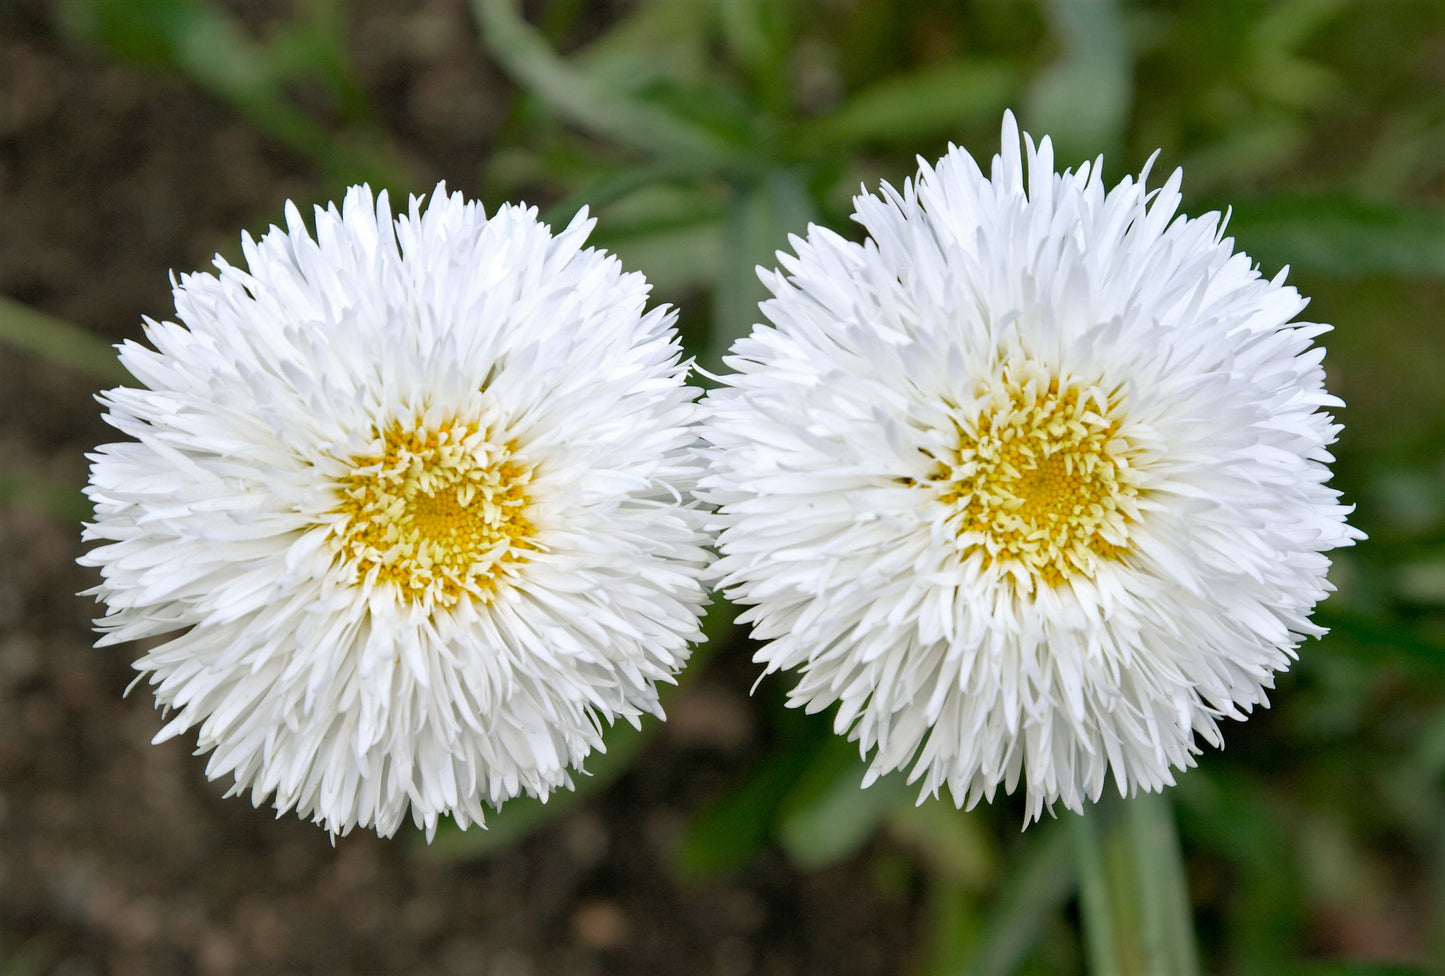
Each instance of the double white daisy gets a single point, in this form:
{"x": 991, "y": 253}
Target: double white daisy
{"x": 413, "y": 495}
{"x": 1031, "y": 483}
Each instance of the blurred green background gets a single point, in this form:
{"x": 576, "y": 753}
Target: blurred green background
{"x": 701, "y": 134}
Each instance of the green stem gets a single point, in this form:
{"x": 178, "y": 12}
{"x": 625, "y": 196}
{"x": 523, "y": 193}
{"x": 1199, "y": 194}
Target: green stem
{"x": 1167, "y": 929}
{"x": 1133, "y": 895}
{"x": 1096, "y": 908}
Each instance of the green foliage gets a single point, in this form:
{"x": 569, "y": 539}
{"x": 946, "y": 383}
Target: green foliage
{"x": 203, "y": 43}
{"x": 1338, "y": 235}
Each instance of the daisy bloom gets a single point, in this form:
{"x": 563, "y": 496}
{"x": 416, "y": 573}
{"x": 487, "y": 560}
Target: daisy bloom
{"x": 1031, "y": 482}
{"x": 409, "y": 498}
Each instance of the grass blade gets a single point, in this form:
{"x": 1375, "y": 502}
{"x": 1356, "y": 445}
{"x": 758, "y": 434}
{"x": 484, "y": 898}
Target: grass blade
{"x": 59, "y": 341}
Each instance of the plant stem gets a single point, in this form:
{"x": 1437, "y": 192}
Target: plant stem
{"x": 1167, "y": 921}
{"x": 1133, "y": 896}
{"x": 1096, "y": 910}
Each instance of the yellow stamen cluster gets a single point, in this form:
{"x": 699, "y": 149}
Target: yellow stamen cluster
{"x": 1041, "y": 480}
{"x": 438, "y": 512}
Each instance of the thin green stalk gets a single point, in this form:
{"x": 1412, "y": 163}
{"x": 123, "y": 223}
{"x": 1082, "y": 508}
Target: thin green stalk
{"x": 59, "y": 341}
{"x": 1096, "y": 908}
{"x": 1167, "y": 921}
{"x": 1133, "y": 893}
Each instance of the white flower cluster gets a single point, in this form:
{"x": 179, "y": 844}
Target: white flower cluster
{"x": 1031, "y": 483}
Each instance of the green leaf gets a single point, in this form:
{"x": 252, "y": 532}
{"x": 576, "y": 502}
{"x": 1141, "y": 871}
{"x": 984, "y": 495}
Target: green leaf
{"x": 1358, "y": 969}
{"x": 1083, "y": 100}
{"x": 60, "y": 342}
{"x": 758, "y": 36}
{"x": 525, "y": 55}
{"x": 1341, "y": 236}
{"x": 205, "y": 44}
{"x": 64, "y": 503}
{"x": 672, "y": 233}
{"x": 1161, "y": 885}
{"x": 762, "y": 215}
{"x": 1380, "y": 638}
{"x": 952, "y": 844}
{"x": 315, "y": 44}
{"x": 1040, "y": 880}
{"x": 938, "y": 100}
{"x": 828, "y": 816}
{"x": 1098, "y": 908}
{"x": 1230, "y": 815}
{"x": 647, "y": 42}
{"x": 731, "y": 829}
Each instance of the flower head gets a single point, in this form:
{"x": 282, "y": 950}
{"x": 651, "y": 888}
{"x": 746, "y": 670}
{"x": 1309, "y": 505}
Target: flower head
{"x": 411, "y": 492}
{"x": 1031, "y": 482}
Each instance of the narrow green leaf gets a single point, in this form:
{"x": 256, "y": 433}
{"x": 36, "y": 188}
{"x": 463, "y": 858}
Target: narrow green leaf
{"x": 1097, "y": 906}
{"x": 60, "y": 342}
{"x": 1083, "y": 100}
{"x": 673, "y": 233}
{"x": 204, "y": 43}
{"x": 315, "y": 43}
{"x": 524, "y": 54}
{"x": 645, "y": 42}
{"x": 1230, "y": 815}
{"x": 828, "y": 816}
{"x": 938, "y": 100}
{"x": 1341, "y": 236}
{"x": 1378, "y": 636}
{"x": 952, "y": 844}
{"x": 731, "y": 829}
{"x": 758, "y": 36}
{"x": 764, "y": 212}
{"x": 64, "y": 503}
{"x": 1359, "y": 969}
{"x": 954, "y": 928}
{"x": 1040, "y": 881}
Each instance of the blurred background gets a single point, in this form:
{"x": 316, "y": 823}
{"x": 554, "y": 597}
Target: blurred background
{"x": 139, "y": 137}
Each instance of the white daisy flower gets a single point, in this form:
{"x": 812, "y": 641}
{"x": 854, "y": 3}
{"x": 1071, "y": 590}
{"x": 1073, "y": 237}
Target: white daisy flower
{"x": 412, "y": 492}
{"x": 1031, "y": 483}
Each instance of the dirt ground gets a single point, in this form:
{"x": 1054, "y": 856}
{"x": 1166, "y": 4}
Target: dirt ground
{"x": 117, "y": 856}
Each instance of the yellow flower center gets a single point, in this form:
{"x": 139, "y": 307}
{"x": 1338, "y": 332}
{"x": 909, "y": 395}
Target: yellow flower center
{"x": 438, "y": 512}
{"x": 1041, "y": 480}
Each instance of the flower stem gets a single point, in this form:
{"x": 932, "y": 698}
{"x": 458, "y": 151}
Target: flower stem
{"x": 1163, "y": 888}
{"x": 1133, "y": 897}
{"x": 1096, "y": 911}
